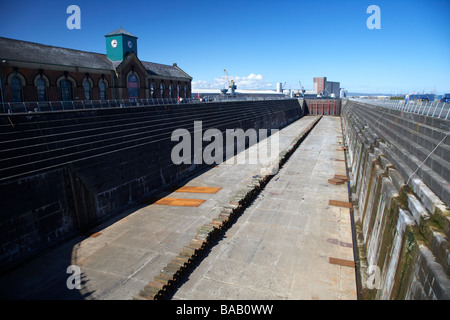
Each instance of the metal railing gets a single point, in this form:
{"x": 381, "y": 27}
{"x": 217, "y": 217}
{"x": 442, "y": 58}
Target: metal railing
{"x": 50, "y": 106}
{"x": 432, "y": 108}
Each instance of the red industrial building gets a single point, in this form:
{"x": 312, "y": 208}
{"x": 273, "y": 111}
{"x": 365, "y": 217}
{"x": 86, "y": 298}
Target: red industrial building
{"x": 326, "y": 88}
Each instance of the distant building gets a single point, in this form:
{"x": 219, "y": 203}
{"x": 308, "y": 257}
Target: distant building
{"x": 216, "y": 94}
{"x": 37, "y": 72}
{"x": 319, "y": 84}
{"x": 279, "y": 87}
{"x": 327, "y": 88}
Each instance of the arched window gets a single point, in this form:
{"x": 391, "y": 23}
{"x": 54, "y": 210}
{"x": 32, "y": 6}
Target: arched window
{"x": 102, "y": 86}
{"x": 41, "y": 89}
{"x": 133, "y": 86}
{"x": 66, "y": 90}
{"x": 87, "y": 89}
{"x": 16, "y": 88}
{"x": 178, "y": 90}
{"x": 185, "y": 90}
{"x": 170, "y": 90}
{"x": 152, "y": 90}
{"x": 162, "y": 88}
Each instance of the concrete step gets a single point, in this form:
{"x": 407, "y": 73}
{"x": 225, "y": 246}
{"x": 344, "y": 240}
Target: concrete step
{"x": 422, "y": 134}
{"x": 406, "y": 138}
{"x": 400, "y": 133}
{"x": 25, "y": 128}
{"x": 88, "y": 125}
{"x": 32, "y": 155}
{"x": 434, "y": 171}
{"x": 72, "y": 141}
{"x": 421, "y": 122}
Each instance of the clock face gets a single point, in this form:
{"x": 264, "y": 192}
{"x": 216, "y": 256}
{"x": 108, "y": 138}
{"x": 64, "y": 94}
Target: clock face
{"x": 130, "y": 44}
{"x": 114, "y": 43}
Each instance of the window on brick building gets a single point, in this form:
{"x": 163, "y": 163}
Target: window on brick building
{"x": 133, "y": 87}
{"x": 185, "y": 91}
{"x": 16, "y": 88}
{"x": 178, "y": 90}
{"x": 41, "y": 89}
{"x": 102, "y": 86}
{"x": 66, "y": 90}
{"x": 170, "y": 90}
{"x": 162, "y": 88}
{"x": 152, "y": 90}
{"x": 87, "y": 89}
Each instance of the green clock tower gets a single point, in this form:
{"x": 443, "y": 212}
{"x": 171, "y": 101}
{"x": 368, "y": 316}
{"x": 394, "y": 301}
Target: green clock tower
{"x": 119, "y": 43}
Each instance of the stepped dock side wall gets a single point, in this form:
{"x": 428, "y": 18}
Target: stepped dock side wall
{"x": 398, "y": 168}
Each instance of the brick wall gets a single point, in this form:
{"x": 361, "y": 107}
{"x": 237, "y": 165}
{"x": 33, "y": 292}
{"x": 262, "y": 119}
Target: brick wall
{"x": 29, "y": 90}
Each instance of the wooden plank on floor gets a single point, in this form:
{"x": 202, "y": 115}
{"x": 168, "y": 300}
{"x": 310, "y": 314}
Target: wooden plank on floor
{"x": 336, "y": 181}
{"x": 341, "y": 177}
{"x": 340, "y": 204}
{"x": 180, "y": 202}
{"x": 342, "y": 262}
{"x": 189, "y": 189}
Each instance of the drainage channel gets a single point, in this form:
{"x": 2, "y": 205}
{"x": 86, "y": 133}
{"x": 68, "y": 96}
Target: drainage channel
{"x": 164, "y": 285}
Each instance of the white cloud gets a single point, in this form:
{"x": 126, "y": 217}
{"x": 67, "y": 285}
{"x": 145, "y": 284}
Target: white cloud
{"x": 252, "y": 81}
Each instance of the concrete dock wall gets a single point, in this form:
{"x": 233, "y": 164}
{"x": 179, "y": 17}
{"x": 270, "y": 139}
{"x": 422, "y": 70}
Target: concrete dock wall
{"x": 398, "y": 167}
{"x": 62, "y": 173}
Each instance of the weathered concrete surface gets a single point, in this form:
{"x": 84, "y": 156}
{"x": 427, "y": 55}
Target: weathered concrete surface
{"x": 280, "y": 247}
{"x": 127, "y": 252}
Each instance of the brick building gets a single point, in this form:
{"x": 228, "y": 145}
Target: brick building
{"x": 326, "y": 88}
{"x": 37, "y": 72}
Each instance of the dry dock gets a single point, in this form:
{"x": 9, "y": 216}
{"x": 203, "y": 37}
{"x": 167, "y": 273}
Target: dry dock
{"x": 293, "y": 241}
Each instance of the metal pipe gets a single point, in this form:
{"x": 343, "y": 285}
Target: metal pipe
{"x": 443, "y": 104}
{"x": 435, "y": 108}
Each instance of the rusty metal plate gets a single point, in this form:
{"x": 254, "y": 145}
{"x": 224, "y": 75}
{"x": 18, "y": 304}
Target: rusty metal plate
{"x": 95, "y": 235}
{"x": 336, "y": 181}
{"x": 91, "y": 234}
{"x": 340, "y": 204}
{"x": 342, "y": 262}
{"x": 340, "y": 177}
{"x": 198, "y": 189}
{"x": 180, "y": 202}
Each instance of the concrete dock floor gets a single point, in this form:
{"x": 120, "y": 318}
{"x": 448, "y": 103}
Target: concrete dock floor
{"x": 280, "y": 248}
{"x": 286, "y": 245}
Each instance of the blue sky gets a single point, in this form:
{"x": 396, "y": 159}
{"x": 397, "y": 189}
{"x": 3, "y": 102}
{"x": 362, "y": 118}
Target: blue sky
{"x": 261, "y": 42}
